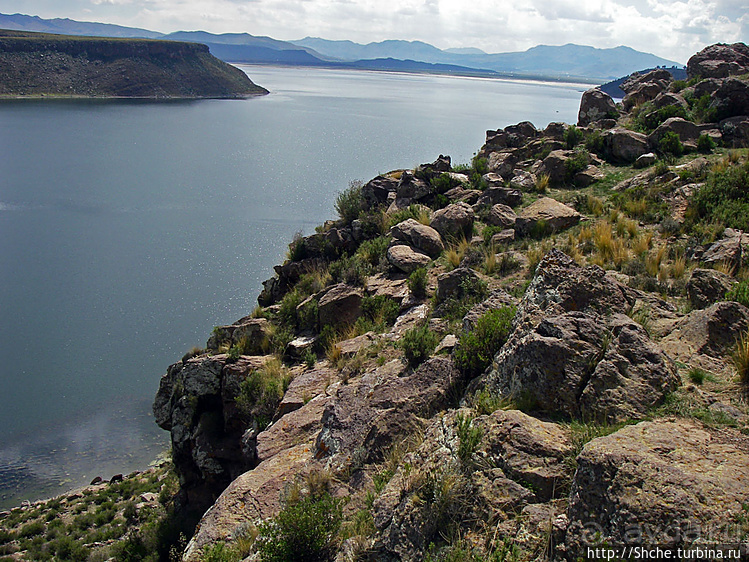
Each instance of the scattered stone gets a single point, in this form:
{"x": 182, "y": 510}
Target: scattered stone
{"x": 502, "y": 215}
{"x": 499, "y": 195}
{"x": 447, "y": 344}
{"x": 504, "y": 237}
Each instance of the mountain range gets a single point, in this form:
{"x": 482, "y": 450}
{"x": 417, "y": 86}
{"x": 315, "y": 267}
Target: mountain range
{"x": 566, "y": 62}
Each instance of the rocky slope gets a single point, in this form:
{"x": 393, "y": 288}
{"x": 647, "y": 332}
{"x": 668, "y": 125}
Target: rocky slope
{"x": 36, "y": 64}
{"x": 537, "y": 354}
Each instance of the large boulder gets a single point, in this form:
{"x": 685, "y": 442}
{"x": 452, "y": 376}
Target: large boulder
{"x": 708, "y": 286}
{"x": 583, "y": 365}
{"x": 553, "y": 215}
{"x": 412, "y": 188}
{"x": 502, "y": 163}
{"x": 419, "y": 236}
{"x": 555, "y": 166}
{"x": 595, "y": 105}
{"x": 719, "y": 61}
{"x": 642, "y": 92}
{"x": 625, "y": 146}
{"x": 455, "y": 283}
{"x": 670, "y": 483}
{"x": 248, "y": 331}
{"x": 376, "y": 191}
{"x": 732, "y": 249}
{"x": 574, "y": 353}
{"x": 341, "y": 304}
{"x": 406, "y": 259}
{"x": 454, "y": 221}
{"x": 659, "y": 76}
{"x": 735, "y": 131}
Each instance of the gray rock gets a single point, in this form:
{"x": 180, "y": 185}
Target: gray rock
{"x": 503, "y": 163}
{"x": 595, "y": 105}
{"x": 555, "y": 215}
{"x": 523, "y": 181}
{"x": 625, "y": 146}
{"x": 454, "y": 283}
{"x": 504, "y": 237}
{"x": 340, "y": 305}
{"x": 719, "y": 61}
{"x": 376, "y": 191}
{"x": 501, "y": 215}
{"x": 665, "y": 482}
{"x": 406, "y": 259}
{"x": 687, "y": 132}
{"x": 381, "y": 407}
{"x": 454, "y": 221}
{"x": 708, "y": 286}
{"x": 419, "y": 236}
{"x": 499, "y": 196}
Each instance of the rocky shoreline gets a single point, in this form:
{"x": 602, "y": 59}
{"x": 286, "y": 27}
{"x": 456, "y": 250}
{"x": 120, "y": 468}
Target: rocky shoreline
{"x": 542, "y": 352}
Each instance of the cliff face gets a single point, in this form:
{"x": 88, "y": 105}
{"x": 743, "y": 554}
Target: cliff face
{"x": 35, "y": 64}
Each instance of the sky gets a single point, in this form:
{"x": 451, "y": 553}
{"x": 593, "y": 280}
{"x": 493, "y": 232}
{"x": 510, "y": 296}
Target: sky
{"x": 673, "y": 29}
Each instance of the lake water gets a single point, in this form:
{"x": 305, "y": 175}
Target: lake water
{"x": 128, "y": 229}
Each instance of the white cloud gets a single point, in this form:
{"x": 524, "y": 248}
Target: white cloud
{"x": 673, "y": 29}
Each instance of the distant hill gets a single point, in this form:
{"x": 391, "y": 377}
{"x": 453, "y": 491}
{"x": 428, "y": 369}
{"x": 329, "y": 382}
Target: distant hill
{"x": 21, "y": 22}
{"x": 40, "y": 64}
{"x": 566, "y": 62}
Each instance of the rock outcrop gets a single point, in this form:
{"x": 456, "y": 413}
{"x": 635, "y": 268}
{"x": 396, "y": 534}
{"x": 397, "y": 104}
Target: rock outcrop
{"x": 37, "y": 64}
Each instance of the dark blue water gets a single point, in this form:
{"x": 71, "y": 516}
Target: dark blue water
{"x": 129, "y": 229}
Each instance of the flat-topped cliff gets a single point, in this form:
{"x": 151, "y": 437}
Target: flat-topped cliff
{"x": 40, "y": 64}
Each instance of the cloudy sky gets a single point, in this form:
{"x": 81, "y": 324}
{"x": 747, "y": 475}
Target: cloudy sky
{"x": 674, "y": 29}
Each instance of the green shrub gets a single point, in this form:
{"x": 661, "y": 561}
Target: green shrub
{"x": 373, "y": 251}
{"x": 705, "y": 144}
{"x": 348, "y": 203}
{"x": 287, "y": 313}
{"x": 476, "y": 349}
{"x": 417, "y": 282}
{"x": 739, "y": 293}
{"x": 261, "y": 391}
{"x": 670, "y": 144}
{"x": 219, "y": 552}
{"x": 350, "y": 269}
{"x": 381, "y": 310}
{"x": 304, "y": 531}
{"x": 469, "y": 438}
{"x": 594, "y": 143}
{"x": 697, "y": 375}
{"x": 418, "y": 344}
{"x": 573, "y": 136}
{"x": 575, "y": 164}
{"x": 724, "y": 198}
{"x": 648, "y": 118}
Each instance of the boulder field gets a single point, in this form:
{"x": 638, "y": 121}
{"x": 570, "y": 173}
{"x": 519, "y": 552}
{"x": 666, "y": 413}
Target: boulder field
{"x": 524, "y": 357}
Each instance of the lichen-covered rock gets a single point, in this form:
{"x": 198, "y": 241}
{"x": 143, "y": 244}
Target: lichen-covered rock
{"x": 595, "y": 105}
{"x": 668, "y": 483}
{"x": 584, "y": 365}
{"x": 406, "y": 259}
{"x": 708, "y": 286}
{"x": 553, "y": 215}
{"x": 419, "y": 236}
{"x": 527, "y": 450}
{"x": 382, "y": 406}
{"x": 706, "y": 338}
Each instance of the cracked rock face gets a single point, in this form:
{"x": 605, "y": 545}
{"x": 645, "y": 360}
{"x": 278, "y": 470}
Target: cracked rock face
{"x": 664, "y": 482}
{"x": 573, "y": 353}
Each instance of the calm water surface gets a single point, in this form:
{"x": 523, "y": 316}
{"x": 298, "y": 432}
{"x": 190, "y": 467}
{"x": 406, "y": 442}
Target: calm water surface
{"x": 129, "y": 229}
